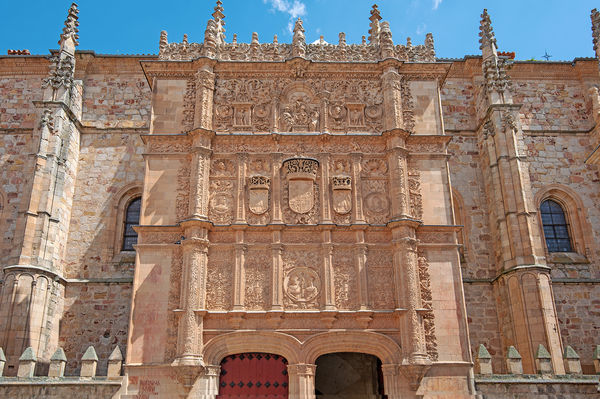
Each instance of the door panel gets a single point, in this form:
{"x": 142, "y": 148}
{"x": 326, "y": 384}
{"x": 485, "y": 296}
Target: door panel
{"x": 253, "y": 376}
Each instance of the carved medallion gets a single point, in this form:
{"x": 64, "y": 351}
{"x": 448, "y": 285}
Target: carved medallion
{"x": 301, "y": 175}
{"x": 258, "y": 197}
{"x": 342, "y": 194}
{"x": 301, "y": 286}
{"x": 376, "y": 204}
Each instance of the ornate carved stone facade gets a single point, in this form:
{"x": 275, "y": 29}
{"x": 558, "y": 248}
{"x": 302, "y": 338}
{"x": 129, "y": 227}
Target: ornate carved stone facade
{"x": 298, "y": 200}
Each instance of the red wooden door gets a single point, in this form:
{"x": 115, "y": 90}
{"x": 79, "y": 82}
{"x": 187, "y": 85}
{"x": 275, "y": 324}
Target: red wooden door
{"x": 253, "y": 376}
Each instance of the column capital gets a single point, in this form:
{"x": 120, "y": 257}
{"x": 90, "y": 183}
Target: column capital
{"x": 302, "y": 369}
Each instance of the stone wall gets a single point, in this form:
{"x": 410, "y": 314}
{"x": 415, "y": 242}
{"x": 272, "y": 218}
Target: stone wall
{"x": 458, "y": 108}
{"x": 95, "y": 314}
{"x": 511, "y": 387}
{"x": 17, "y": 110}
{"x": 109, "y": 164}
{"x": 65, "y": 389}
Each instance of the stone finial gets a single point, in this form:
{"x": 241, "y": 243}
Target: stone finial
{"x": 299, "y": 40}
{"x": 374, "y": 28}
{"x": 429, "y": 45}
{"x": 27, "y": 364}
{"x": 71, "y": 29}
{"x": 487, "y": 39}
{"x": 483, "y": 361}
{"x": 571, "y": 361}
{"x": 342, "y": 39}
{"x": 163, "y": 42}
{"x": 210, "y": 39}
{"x": 185, "y": 39}
{"x": 115, "y": 362}
{"x": 57, "y": 363}
{"x": 234, "y": 39}
{"x": 89, "y": 361}
{"x": 543, "y": 360}
{"x": 2, "y": 361}
{"x": 386, "y": 43}
{"x": 596, "y": 357}
{"x": 275, "y": 40}
{"x": 254, "y": 38}
{"x": 514, "y": 363}
{"x": 596, "y": 31}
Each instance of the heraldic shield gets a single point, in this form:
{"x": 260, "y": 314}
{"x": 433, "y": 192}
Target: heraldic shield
{"x": 342, "y": 198}
{"x": 301, "y": 175}
{"x": 258, "y": 198}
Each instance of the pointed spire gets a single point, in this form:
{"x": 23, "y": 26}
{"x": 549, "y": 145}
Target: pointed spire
{"x": 59, "y": 355}
{"x": 210, "y": 39}
{"x": 374, "y": 25}
{"x": 71, "y": 30}
{"x": 596, "y": 31}
{"x": 299, "y": 40}
{"x": 116, "y": 354}
{"x": 487, "y": 38}
{"x": 219, "y": 18}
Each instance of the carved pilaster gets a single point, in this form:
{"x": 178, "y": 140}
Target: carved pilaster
{"x": 360, "y": 251}
{"x": 398, "y": 176}
{"x": 199, "y": 178}
{"x": 302, "y": 381}
{"x": 359, "y": 216}
{"x": 392, "y": 99}
{"x": 406, "y": 275}
{"x": 391, "y": 381}
{"x": 192, "y": 298}
{"x": 239, "y": 276}
{"x": 328, "y": 276}
{"x": 276, "y": 181}
{"x": 325, "y": 204}
{"x": 205, "y": 85}
{"x": 240, "y": 213}
{"x": 277, "y": 288}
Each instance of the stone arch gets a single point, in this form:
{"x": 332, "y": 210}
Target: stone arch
{"x": 580, "y": 229}
{"x": 381, "y": 346}
{"x": 252, "y": 341}
{"x": 119, "y": 206}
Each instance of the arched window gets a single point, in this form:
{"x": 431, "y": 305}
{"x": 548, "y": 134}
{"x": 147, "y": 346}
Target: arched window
{"x": 556, "y": 228}
{"x": 132, "y": 218}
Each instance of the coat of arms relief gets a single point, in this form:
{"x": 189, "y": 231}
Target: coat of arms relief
{"x": 300, "y": 179}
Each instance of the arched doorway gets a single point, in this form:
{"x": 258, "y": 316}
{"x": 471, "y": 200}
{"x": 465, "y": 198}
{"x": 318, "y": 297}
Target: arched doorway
{"x": 253, "y": 376}
{"x": 347, "y": 375}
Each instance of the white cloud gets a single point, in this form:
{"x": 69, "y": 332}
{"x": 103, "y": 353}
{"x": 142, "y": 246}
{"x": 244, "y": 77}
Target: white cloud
{"x": 436, "y": 4}
{"x": 421, "y": 29}
{"x": 294, "y": 9}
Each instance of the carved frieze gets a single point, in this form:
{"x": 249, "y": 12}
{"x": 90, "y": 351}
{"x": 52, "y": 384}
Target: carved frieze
{"x": 189, "y": 105}
{"x": 427, "y": 303}
{"x": 248, "y": 104}
{"x": 182, "y": 196}
{"x": 414, "y": 188}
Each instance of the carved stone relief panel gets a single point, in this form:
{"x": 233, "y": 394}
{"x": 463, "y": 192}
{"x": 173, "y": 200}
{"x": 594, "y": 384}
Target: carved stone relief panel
{"x": 219, "y": 281}
{"x": 427, "y": 298}
{"x": 182, "y": 197}
{"x": 300, "y": 196}
{"x": 341, "y": 189}
{"x": 345, "y": 279}
{"x": 380, "y": 278}
{"x": 375, "y": 194}
{"x": 302, "y": 278}
{"x": 249, "y": 104}
{"x": 258, "y": 266}
{"x": 414, "y": 188}
{"x": 299, "y": 111}
{"x": 173, "y": 303}
{"x": 222, "y": 191}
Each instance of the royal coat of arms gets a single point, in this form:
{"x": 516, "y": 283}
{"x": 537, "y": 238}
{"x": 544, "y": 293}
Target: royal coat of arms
{"x": 301, "y": 175}
{"x": 342, "y": 194}
{"x": 258, "y": 197}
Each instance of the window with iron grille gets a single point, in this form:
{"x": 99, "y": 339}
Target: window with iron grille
{"x": 556, "y": 228}
{"x": 132, "y": 218}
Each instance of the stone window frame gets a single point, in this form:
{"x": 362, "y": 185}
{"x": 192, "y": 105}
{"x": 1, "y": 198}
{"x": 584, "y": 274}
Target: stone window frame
{"x": 122, "y": 200}
{"x": 580, "y": 229}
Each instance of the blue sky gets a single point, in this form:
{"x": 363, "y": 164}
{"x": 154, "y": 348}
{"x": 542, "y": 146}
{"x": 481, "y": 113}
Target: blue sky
{"x": 528, "y": 27}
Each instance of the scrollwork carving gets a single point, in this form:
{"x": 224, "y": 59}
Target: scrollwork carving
{"x": 258, "y": 280}
{"x": 427, "y": 303}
